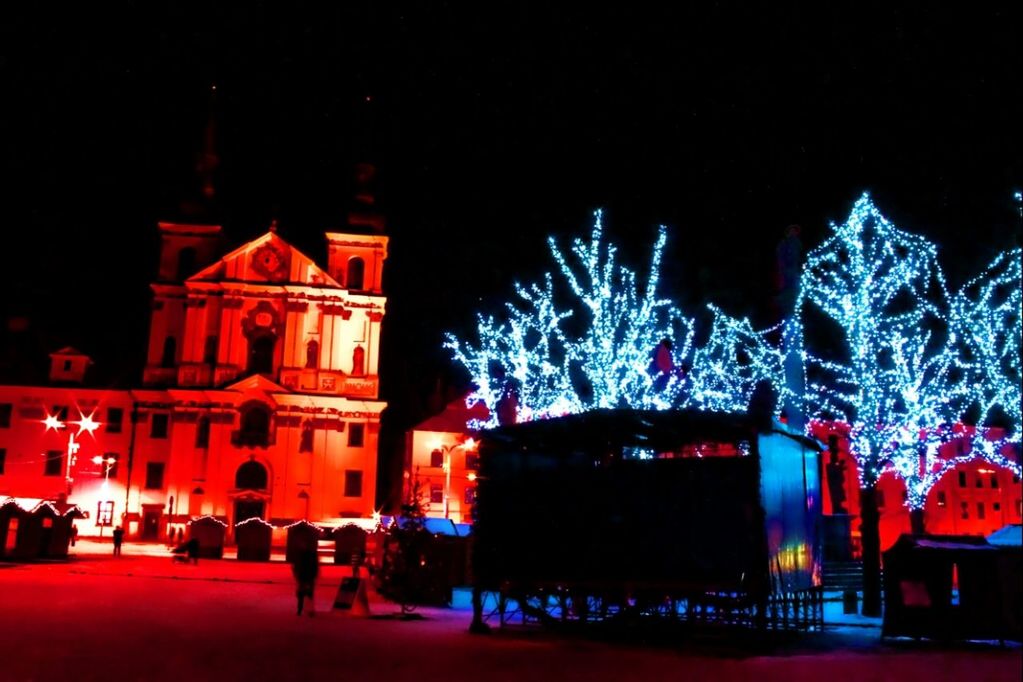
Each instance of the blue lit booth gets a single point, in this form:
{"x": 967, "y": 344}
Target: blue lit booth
{"x": 210, "y": 532}
{"x": 36, "y": 529}
{"x": 618, "y": 515}
{"x": 302, "y": 536}
{"x": 952, "y": 587}
{"x": 253, "y": 537}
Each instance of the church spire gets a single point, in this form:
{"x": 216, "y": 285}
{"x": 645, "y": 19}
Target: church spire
{"x": 365, "y": 214}
{"x": 198, "y": 204}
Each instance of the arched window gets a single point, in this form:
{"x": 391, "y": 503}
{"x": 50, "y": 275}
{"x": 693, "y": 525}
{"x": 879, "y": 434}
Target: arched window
{"x": 251, "y": 476}
{"x": 261, "y": 354}
{"x": 255, "y": 425}
{"x": 186, "y": 263}
{"x": 170, "y": 351}
{"x": 356, "y": 271}
{"x": 312, "y": 354}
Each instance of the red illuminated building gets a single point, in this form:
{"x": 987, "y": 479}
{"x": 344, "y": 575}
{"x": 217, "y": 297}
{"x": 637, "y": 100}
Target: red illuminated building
{"x": 259, "y": 396}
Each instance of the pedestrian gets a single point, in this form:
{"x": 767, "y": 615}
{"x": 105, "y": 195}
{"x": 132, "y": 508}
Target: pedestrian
{"x": 305, "y": 568}
{"x": 74, "y": 534}
{"x": 181, "y": 534}
{"x": 193, "y": 550}
{"x": 118, "y": 538}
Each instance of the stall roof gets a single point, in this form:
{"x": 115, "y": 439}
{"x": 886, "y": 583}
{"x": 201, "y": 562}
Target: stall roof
{"x": 652, "y": 429}
{"x": 1007, "y": 536}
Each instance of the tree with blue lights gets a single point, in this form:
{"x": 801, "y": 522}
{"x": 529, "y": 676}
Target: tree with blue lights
{"x": 618, "y": 344}
{"x": 897, "y": 379}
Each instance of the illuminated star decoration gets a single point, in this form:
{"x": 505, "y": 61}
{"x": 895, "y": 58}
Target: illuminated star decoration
{"x": 86, "y": 424}
{"x": 52, "y": 423}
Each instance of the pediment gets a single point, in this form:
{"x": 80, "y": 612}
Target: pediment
{"x": 268, "y": 259}
{"x": 256, "y": 383}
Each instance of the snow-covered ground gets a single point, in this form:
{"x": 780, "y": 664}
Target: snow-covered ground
{"x": 142, "y": 617}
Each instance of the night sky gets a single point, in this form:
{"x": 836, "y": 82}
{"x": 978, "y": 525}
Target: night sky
{"x": 492, "y": 128}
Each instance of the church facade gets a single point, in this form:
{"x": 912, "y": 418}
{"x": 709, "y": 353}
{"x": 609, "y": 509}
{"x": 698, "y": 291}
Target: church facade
{"x": 259, "y": 398}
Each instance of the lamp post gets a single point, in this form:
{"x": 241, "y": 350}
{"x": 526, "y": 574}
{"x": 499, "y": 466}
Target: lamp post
{"x": 108, "y": 462}
{"x": 446, "y": 466}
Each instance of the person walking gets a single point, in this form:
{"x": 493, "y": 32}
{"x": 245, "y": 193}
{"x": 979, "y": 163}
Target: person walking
{"x": 305, "y": 568}
{"x": 118, "y": 539}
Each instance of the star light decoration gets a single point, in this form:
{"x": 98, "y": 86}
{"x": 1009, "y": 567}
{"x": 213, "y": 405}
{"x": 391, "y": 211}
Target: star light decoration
{"x": 907, "y": 378}
{"x": 599, "y": 353}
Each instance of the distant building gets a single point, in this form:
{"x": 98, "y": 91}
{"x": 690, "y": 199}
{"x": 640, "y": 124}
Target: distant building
{"x": 441, "y": 457}
{"x": 259, "y": 398}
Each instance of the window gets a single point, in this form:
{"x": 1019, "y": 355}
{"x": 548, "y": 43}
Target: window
{"x": 202, "y": 433}
{"x": 60, "y": 412}
{"x": 980, "y": 510}
{"x": 5, "y": 415}
{"x": 941, "y": 498}
{"x": 980, "y": 481}
{"x": 170, "y": 350}
{"x": 356, "y": 271}
{"x": 355, "y": 435}
{"x": 54, "y": 463}
{"x": 472, "y": 461}
{"x": 996, "y": 506}
{"x": 353, "y": 483}
{"x": 251, "y": 476}
{"x": 255, "y": 425}
{"x": 209, "y": 351}
{"x": 962, "y": 479}
{"x": 436, "y": 494}
{"x": 305, "y": 441}
{"x": 470, "y": 495}
{"x": 115, "y": 415}
{"x": 158, "y": 426}
{"x": 3, "y": 459}
{"x": 105, "y": 513}
{"x": 154, "y": 475}
{"x": 437, "y": 459}
{"x": 905, "y": 495}
{"x": 964, "y": 508}
{"x": 261, "y": 354}
{"x": 994, "y": 480}
{"x": 186, "y": 263}
{"x": 1015, "y": 478}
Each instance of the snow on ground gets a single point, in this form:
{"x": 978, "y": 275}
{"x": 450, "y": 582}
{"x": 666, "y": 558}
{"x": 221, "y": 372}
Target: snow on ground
{"x": 142, "y": 617}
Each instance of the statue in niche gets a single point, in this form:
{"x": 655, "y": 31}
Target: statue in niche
{"x": 836, "y": 477}
{"x": 305, "y": 444}
{"x": 358, "y": 361}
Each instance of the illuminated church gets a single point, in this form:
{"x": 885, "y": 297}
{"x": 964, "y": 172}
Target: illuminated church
{"x": 259, "y": 396}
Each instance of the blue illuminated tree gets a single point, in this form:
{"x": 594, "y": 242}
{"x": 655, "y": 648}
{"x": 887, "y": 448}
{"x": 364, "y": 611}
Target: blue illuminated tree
{"x": 986, "y": 316}
{"x": 596, "y": 352}
{"x": 896, "y": 379}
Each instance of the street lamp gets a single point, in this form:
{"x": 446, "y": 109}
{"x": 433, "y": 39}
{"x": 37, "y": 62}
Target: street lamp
{"x": 447, "y": 450}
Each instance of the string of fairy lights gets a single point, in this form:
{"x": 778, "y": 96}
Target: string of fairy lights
{"x": 918, "y": 362}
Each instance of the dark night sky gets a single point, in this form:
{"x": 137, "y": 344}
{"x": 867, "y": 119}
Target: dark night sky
{"x": 492, "y": 129}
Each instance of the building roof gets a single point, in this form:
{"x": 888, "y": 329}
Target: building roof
{"x": 660, "y": 431}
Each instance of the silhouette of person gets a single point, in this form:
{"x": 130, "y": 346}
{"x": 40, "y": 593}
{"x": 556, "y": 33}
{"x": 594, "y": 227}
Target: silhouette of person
{"x": 74, "y": 534}
{"x": 836, "y": 477}
{"x": 305, "y": 568}
{"x": 118, "y": 539}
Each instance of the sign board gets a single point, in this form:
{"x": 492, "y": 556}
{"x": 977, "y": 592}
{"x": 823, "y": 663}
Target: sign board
{"x": 351, "y": 596}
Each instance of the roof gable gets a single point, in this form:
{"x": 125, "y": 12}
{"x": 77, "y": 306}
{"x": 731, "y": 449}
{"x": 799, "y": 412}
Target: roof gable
{"x": 268, "y": 259}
